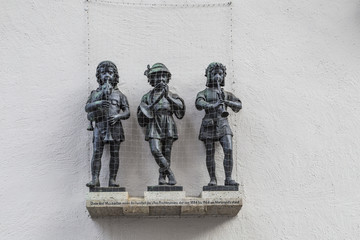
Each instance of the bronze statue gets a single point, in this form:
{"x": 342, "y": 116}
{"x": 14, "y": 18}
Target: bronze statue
{"x": 215, "y": 126}
{"x": 155, "y": 113}
{"x": 106, "y": 106}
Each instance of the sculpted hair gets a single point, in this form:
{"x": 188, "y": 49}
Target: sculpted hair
{"x": 106, "y": 64}
{"x": 212, "y": 66}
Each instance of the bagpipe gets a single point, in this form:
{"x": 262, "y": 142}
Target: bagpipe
{"x": 104, "y": 94}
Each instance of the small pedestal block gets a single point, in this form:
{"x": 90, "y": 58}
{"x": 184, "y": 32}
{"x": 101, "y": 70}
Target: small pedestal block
{"x": 164, "y": 188}
{"x": 166, "y": 203}
{"x": 107, "y": 189}
{"x": 220, "y": 188}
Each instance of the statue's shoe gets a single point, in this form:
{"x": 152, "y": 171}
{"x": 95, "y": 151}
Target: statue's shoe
{"x": 213, "y": 182}
{"x": 162, "y": 179}
{"x": 171, "y": 178}
{"x": 231, "y": 182}
{"x": 93, "y": 183}
{"x": 112, "y": 183}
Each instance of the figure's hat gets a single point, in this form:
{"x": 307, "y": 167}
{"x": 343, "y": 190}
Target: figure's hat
{"x": 157, "y": 67}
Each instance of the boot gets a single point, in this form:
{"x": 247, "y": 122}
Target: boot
{"x": 171, "y": 177}
{"x": 230, "y": 182}
{"x": 95, "y": 182}
{"x": 162, "y": 178}
{"x": 213, "y": 181}
{"x": 112, "y": 182}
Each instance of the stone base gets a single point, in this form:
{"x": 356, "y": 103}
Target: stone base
{"x": 220, "y": 188}
{"x": 164, "y": 204}
{"x": 165, "y": 195}
{"x": 220, "y": 195}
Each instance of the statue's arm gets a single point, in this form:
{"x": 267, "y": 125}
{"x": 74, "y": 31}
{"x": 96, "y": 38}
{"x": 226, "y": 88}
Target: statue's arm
{"x": 176, "y": 102}
{"x": 90, "y": 106}
{"x": 125, "y": 108}
{"x": 233, "y": 102}
{"x": 93, "y": 105}
{"x": 201, "y": 102}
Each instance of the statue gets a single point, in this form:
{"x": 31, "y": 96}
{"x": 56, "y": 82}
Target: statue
{"x": 106, "y": 106}
{"x": 155, "y": 113}
{"x": 215, "y": 126}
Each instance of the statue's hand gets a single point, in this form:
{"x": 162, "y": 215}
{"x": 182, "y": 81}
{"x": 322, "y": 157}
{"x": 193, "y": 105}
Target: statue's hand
{"x": 226, "y": 102}
{"x": 105, "y": 104}
{"x": 213, "y": 105}
{"x": 166, "y": 90}
{"x": 216, "y": 105}
{"x": 113, "y": 119}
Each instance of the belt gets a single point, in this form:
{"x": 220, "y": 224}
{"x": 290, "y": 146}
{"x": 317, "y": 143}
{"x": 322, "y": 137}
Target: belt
{"x": 164, "y": 112}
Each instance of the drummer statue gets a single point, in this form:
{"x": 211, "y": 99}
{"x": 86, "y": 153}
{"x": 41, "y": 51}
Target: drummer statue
{"x": 106, "y": 106}
{"x": 155, "y": 114}
{"x": 215, "y": 126}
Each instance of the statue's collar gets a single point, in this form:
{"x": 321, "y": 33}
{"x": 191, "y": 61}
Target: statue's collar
{"x": 99, "y": 89}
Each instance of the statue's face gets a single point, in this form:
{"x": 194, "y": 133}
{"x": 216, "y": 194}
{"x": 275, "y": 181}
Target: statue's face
{"x": 107, "y": 74}
{"x": 217, "y": 76}
{"x": 159, "y": 77}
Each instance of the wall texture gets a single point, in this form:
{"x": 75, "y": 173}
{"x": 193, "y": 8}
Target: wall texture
{"x": 293, "y": 63}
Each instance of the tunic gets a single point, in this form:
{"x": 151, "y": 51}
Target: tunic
{"x": 118, "y": 102}
{"x": 162, "y": 125}
{"x": 213, "y": 126}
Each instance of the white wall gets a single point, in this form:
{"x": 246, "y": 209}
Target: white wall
{"x": 293, "y": 64}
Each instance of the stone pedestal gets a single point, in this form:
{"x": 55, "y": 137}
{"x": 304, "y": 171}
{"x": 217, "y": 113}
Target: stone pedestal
{"x": 164, "y": 192}
{"x": 164, "y": 204}
{"x": 220, "y": 195}
{"x": 164, "y": 200}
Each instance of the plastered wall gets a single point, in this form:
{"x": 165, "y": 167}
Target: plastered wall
{"x": 294, "y": 64}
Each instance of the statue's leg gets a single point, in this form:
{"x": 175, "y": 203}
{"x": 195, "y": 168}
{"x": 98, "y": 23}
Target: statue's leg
{"x": 210, "y": 160}
{"x": 156, "y": 151}
{"x": 167, "y": 153}
{"x": 114, "y": 162}
{"x": 226, "y": 143}
{"x": 98, "y": 148}
{"x": 167, "y": 146}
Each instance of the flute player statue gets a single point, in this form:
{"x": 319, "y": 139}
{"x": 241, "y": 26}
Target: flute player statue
{"x": 106, "y": 106}
{"x": 215, "y": 126}
{"x": 155, "y": 113}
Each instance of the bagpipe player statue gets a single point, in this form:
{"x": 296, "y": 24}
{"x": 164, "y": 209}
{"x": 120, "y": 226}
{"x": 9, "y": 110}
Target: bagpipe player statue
{"x": 215, "y": 126}
{"x": 155, "y": 114}
{"x": 106, "y": 106}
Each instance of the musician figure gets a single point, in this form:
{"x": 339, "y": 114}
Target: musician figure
{"x": 106, "y": 106}
{"x": 155, "y": 113}
{"x": 215, "y": 126}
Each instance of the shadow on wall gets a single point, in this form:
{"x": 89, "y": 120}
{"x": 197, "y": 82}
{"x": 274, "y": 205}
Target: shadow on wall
{"x": 160, "y": 228}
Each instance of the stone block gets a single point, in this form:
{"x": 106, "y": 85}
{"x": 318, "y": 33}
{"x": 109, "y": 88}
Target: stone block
{"x": 221, "y": 194}
{"x": 154, "y": 195}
